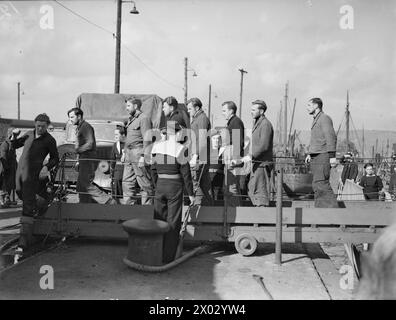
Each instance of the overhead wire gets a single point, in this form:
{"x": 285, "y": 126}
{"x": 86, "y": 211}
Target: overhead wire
{"x": 122, "y": 43}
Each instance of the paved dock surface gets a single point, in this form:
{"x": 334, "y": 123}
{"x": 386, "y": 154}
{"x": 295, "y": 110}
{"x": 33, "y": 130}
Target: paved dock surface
{"x": 94, "y": 270}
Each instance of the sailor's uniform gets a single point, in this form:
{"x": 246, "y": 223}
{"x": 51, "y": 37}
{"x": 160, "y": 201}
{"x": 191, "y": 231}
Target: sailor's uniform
{"x": 171, "y": 174}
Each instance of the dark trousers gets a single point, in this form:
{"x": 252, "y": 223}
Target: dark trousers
{"x": 259, "y": 186}
{"x": 232, "y": 192}
{"x": 168, "y": 205}
{"x": 117, "y": 188}
{"x": 204, "y": 195}
{"x": 217, "y": 179}
{"x": 27, "y": 187}
{"x": 87, "y": 191}
{"x": 323, "y": 193}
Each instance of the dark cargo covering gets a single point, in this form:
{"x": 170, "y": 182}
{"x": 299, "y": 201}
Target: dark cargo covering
{"x": 103, "y": 106}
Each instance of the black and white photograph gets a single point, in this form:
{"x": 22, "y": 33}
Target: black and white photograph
{"x": 197, "y": 155}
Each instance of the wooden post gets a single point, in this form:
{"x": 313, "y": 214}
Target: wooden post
{"x": 278, "y": 230}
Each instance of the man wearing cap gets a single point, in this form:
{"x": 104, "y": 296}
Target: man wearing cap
{"x": 38, "y": 144}
{"x": 233, "y": 153}
{"x": 86, "y": 149}
{"x": 171, "y": 174}
{"x": 136, "y": 146}
{"x": 200, "y": 152}
{"x": 261, "y": 155}
{"x": 321, "y": 154}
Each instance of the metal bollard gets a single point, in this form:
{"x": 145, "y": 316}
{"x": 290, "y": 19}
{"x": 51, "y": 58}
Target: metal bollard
{"x": 278, "y": 229}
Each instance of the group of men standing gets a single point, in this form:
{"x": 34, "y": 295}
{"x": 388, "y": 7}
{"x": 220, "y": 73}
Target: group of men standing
{"x": 179, "y": 160}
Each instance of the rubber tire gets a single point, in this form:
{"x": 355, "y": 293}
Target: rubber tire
{"x": 245, "y": 244}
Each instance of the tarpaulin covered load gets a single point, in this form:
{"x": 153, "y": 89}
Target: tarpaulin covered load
{"x": 107, "y": 106}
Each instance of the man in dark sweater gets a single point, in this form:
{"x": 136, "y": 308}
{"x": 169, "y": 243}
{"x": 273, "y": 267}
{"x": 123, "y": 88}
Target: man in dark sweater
{"x": 171, "y": 175}
{"x": 37, "y": 144}
{"x": 321, "y": 154}
{"x": 86, "y": 150}
{"x": 236, "y": 139}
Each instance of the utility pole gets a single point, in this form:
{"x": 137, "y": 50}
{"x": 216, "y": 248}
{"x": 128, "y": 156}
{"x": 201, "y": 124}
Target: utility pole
{"x": 347, "y": 122}
{"x": 118, "y": 48}
{"x": 285, "y": 119}
{"x": 210, "y": 98}
{"x": 118, "y": 42}
{"x": 185, "y": 80}
{"x": 240, "y": 96}
{"x": 19, "y": 101}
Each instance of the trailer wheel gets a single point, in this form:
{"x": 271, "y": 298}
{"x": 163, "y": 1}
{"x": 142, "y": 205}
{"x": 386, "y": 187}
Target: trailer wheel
{"x": 246, "y": 244}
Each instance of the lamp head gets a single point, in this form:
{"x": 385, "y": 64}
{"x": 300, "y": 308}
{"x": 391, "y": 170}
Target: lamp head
{"x": 134, "y": 11}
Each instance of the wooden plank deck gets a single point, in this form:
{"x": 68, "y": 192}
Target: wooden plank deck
{"x": 300, "y": 224}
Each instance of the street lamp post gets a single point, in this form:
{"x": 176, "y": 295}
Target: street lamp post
{"x": 240, "y": 97}
{"x": 118, "y": 41}
{"x": 186, "y": 70}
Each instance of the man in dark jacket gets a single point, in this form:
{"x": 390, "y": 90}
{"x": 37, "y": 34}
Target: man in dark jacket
{"x": 200, "y": 152}
{"x": 321, "y": 154}
{"x": 86, "y": 150}
{"x": 37, "y": 143}
{"x": 236, "y": 139}
{"x": 8, "y": 166}
{"x": 118, "y": 157}
{"x": 261, "y": 156}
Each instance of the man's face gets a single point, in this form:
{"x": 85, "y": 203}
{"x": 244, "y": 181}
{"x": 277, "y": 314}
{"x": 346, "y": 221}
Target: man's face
{"x": 227, "y": 113}
{"x": 73, "y": 118}
{"x": 131, "y": 108}
{"x": 191, "y": 109}
{"x": 256, "y": 111}
{"x": 311, "y": 107}
{"x": 41, "y": 127}
{"x": 167, "y": 109}
{"x": 118, "y": 136}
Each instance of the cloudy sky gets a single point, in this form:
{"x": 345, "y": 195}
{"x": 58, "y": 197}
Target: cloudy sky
{"x": 298, "y": 41}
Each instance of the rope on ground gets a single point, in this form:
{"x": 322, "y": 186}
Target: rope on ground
{"x": 166, "y": 267}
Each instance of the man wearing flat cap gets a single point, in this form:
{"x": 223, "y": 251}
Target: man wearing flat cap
{"x": 260, "y": 156}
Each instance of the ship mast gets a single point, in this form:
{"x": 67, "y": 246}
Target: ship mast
{"x": 347, "y": 114}
{"x": 285, "y": 121}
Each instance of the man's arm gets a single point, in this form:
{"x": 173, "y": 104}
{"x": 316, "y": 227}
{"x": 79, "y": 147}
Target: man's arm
{"x": 54, "y": 155}
{"x": 20, "y": 142}
{"x": 330, "y": 136}
{"x": 145, "y": 126}
{"x": 88, "y": 132}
